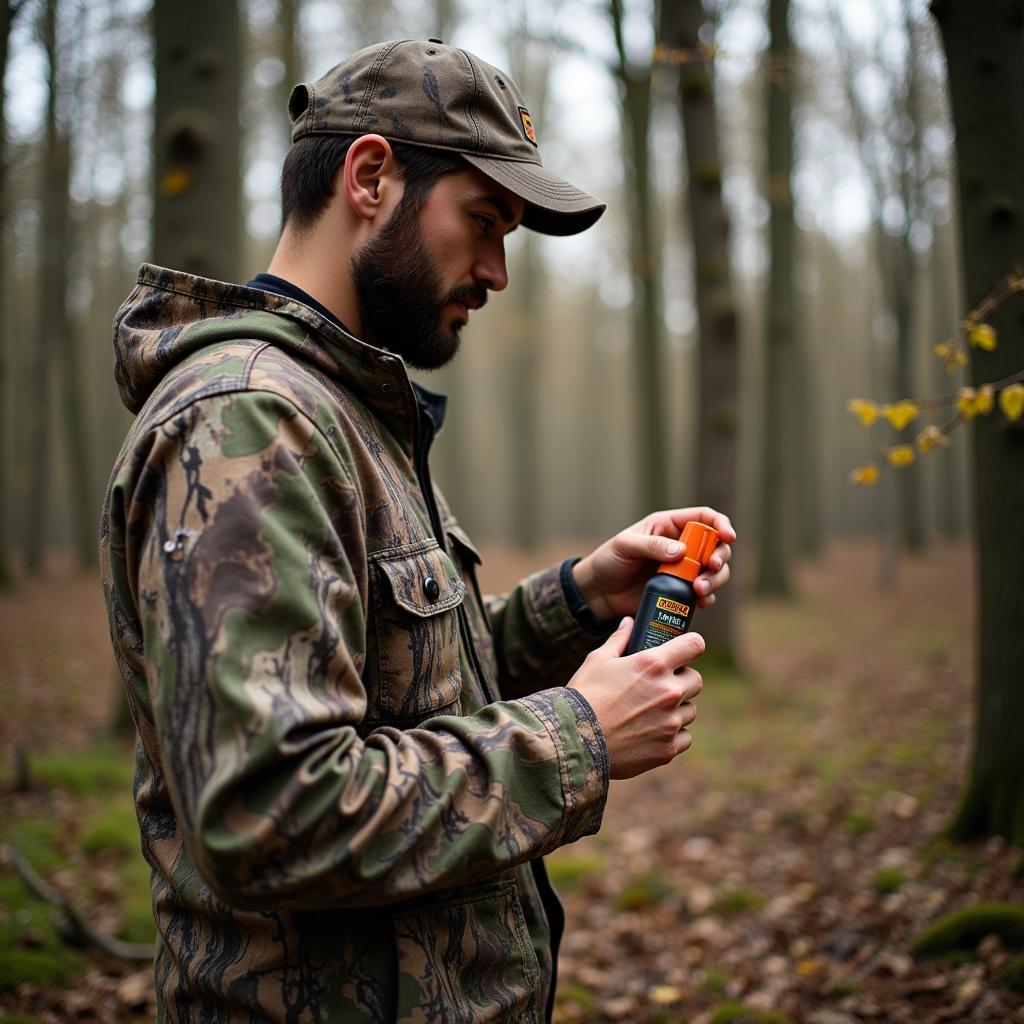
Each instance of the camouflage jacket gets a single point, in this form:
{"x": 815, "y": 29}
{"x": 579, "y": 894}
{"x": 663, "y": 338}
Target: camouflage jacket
{"x": 349, "y": 760}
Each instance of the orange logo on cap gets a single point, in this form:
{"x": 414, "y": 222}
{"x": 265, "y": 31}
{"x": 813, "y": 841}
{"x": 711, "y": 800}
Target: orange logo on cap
{"x": 528, "y": 131}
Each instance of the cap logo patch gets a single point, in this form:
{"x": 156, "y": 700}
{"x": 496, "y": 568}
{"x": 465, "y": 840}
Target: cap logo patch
{"x": 524, "y": 116}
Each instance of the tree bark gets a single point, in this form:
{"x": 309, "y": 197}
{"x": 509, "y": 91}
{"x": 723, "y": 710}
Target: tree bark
{"x": 51, "y": 301}
{"x": 197, "y": 206}
{"x": 718, "y": 347}
{"x": 645, "y": 269}
{"x": 8, "y": 12}
{"x": 777, "y": 462}
{"x": 984, "y": 47}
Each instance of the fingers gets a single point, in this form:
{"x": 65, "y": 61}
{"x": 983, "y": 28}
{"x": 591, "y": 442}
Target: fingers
{"x": 616, "y": 644}
{"x": 677, "y": 518}
{"x": 710, "y": 582}
{"x": 631, "y": 544}
{"x": 673, "y": 655}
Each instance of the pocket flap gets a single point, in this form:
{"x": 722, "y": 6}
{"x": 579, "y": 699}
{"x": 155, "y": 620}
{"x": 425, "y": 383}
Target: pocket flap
{"x": 423, "y": 582}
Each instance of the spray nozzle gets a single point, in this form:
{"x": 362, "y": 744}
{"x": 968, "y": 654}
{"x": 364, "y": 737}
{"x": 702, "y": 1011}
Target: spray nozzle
{"x": 700, "y": 541}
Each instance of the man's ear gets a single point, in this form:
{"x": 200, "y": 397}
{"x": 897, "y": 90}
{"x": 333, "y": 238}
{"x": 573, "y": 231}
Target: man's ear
{"x": 369, "y": 177}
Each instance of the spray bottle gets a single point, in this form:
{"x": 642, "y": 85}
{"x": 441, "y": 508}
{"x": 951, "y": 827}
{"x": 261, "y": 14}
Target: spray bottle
{"x": 666, "y": 608}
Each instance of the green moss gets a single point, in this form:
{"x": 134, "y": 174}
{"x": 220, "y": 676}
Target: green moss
{"x": 569, "y": 872}
{"x": 888, "y": 880}
{"x": 714, "y": 982}
{"x": 116, "y": 830}
{"x": 20, "y": 1018}
{"x": 737, "y": 1013}
{"x": 38, "y": 840}
{"x": 31, "y": 949}
{"x": 579, "y": 995}
{"x": 859, "y": 823}
{"x": 47, "y": 967}
{"x": 964, "y": 929}
{"x": 736, "y": 901}
{"x": 97, "y": 770}
{"x": 644, "y": 891}
{"x": 1012, "y": 974}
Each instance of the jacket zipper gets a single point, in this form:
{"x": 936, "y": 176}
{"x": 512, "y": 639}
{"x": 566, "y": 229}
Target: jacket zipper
{"x": 424, "y": 436}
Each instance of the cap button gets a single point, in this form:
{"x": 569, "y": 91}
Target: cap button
{"x": 440, "y": 42}
{"x": 432, "y": 589}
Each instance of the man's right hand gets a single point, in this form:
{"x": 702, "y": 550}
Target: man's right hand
{"x": 643, "y": 702}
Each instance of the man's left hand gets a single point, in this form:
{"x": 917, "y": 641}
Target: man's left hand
{"x": 612, "y": 577}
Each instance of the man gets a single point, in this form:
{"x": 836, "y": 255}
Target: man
{"x": 349, "y": 761}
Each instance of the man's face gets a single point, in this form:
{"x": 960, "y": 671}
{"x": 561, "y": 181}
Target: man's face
{"x": 421, "y": 274}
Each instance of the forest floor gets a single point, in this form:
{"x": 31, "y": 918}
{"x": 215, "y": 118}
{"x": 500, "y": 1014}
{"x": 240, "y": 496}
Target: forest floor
{"x": 777, "y": 872}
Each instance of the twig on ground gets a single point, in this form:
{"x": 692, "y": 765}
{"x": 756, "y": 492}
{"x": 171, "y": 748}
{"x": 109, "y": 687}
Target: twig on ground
{"x": 72, "y": 923}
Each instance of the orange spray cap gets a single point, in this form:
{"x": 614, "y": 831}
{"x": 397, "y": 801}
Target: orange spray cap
{"x": 700, "y": 541}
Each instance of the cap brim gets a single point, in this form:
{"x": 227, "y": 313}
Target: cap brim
{"x": 553, "y": 205}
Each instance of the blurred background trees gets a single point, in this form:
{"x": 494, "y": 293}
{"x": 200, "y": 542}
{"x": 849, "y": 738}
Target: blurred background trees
{"x": 781, "y": 236}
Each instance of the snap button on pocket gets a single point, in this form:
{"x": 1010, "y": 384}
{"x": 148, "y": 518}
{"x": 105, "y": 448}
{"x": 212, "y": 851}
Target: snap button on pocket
{"x": 431, "y": 588}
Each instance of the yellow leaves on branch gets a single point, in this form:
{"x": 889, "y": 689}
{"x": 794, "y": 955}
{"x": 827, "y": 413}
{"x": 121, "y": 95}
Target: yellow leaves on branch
{"x": 900, "y": 413}
{"x": 865, "y": 411}
{"x": 983, "y": 336}
{"x": 954, "y": 356}
{"x": 865, "y": 475}
{"x": 931, "y": 437}
{"x": 1011, "y": 402}
{"x": 975, "y": 401}
{"x": 900, "y": 456}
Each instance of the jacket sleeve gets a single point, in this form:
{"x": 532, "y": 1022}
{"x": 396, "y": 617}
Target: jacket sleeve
{"x": 247, "y": 555}
{"x": 538, "y": 641}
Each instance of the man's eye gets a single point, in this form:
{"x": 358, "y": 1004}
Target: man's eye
{"x": 485, "y": 222}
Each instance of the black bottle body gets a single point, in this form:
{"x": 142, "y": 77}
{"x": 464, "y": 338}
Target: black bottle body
{"x": 666, "y": 610}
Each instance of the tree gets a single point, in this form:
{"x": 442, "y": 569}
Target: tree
{"x": 718, "y": 384}
{"x": 645, "y": 266}
{"x": 197, "y": 209}
{"x": 8, "y": 12}
{"x": 773, "y": 577}
{"x": 984, "y": 46}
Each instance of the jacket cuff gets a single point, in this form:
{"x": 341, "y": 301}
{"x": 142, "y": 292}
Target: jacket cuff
{"x": 582, "y": 759}
{"x": 591, "y": 624}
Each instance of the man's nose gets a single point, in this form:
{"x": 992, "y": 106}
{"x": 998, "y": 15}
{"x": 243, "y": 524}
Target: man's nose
{"x": 490, "y": 269}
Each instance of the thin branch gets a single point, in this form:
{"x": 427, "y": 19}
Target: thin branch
{"x": 72, "y": 922}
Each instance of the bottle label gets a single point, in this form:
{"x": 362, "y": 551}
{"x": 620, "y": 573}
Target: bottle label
{"x": 669, "y": 620}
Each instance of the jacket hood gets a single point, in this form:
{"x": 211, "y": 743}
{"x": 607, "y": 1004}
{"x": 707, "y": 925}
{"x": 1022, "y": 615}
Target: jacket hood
{"x": 170, "y": 315}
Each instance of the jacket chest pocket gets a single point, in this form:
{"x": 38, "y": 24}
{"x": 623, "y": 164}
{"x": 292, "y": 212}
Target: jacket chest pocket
{"x": 417, "y": 591}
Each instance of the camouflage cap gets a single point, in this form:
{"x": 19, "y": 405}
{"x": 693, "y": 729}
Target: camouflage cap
{"x": 429, "y": 94}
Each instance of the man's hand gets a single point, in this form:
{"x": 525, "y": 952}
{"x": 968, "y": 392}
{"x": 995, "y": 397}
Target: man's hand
{"x": 612, "y": 578}
{"x": 643, "y": 702}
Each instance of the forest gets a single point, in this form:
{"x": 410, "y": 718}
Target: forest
{"x": 802, "y": 307}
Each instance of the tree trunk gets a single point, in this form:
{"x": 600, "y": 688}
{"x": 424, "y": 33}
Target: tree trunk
{"x": 7, "y": 15}
{"x": 197, "y": 207}
{"x": 51, "y": 296}
{"x": 645, "y": 269}
{"x": 984, "y": 47}
{"x": 777, "y": 458}
{"x": 718, "y": 351}
{"x": 531, "y": 68}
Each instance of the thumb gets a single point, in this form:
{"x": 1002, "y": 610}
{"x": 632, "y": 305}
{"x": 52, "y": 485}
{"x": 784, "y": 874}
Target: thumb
{"x": 616, "y": 644}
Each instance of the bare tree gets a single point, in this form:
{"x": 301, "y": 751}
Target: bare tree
{"x": 634, "y": 81}
{"x": 777, "y": 476}
{"x": 197, "y": 210}
{"x": 984, "y": 45}
{"x": 718, "y": 385}
{"x": 8, "y": 12}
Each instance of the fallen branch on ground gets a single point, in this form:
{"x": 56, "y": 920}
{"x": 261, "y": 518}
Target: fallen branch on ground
{"x": 71, "y": 922}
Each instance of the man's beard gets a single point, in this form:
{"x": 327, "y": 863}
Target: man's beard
{"x": 400, "y": 293}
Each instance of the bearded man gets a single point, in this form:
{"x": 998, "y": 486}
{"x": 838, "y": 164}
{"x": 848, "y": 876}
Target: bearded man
{"x": 350, "y": 761}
